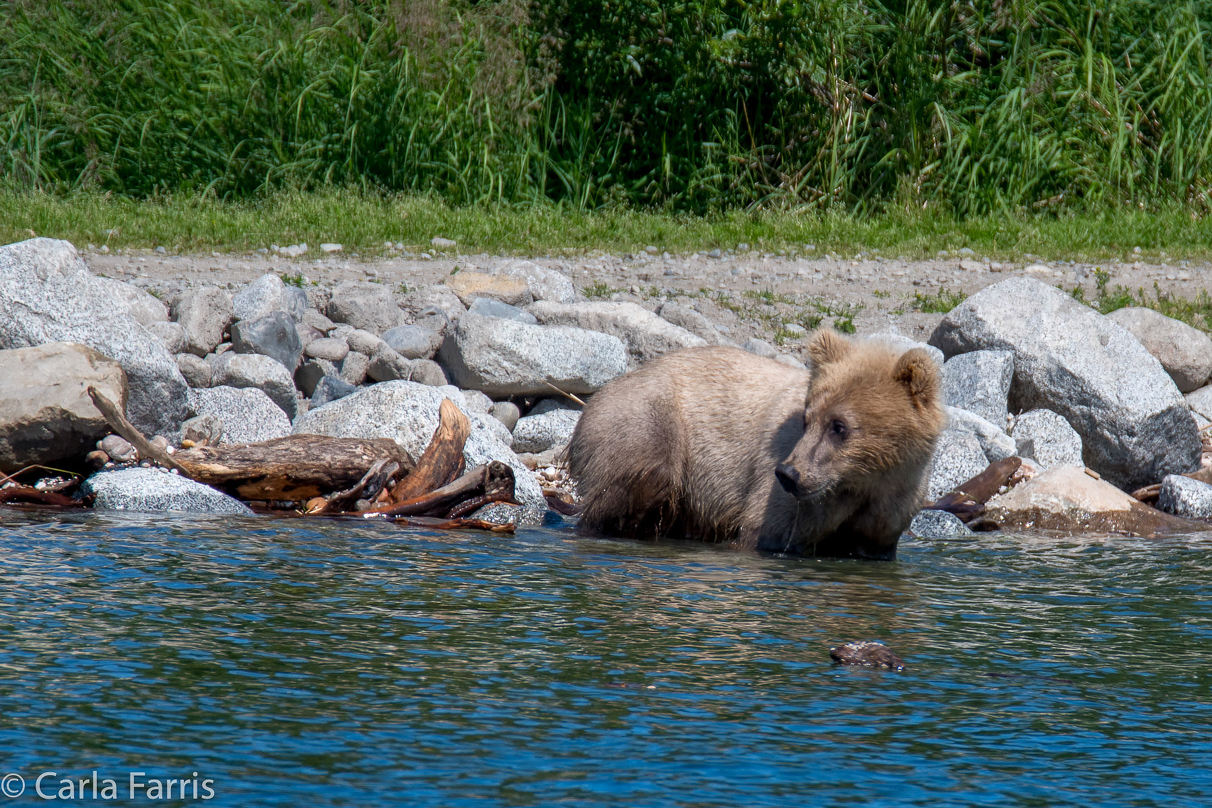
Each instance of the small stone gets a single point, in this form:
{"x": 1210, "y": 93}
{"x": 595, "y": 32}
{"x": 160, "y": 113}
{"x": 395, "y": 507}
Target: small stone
{"x": 439, "y": 243}
{"x": 96, "y": 459}
{"x": 714, "y": 253}
{"x": 161, "y": 251}
{"x": 1037, "y": 269}
{"x": 354, "y": 367}
{"x": 932, "y": 524}
{"x": 331, "y": 247}
{"x": 334, "y": 350}
{"x": 196, "y": 370}
{"x": 488, "y": 307}
{"x": 867, "y": 654}
{"x": 507, "y": 413}
{"x": 273, "y": 335}
{"x": 1183, "y": 496}
{"x": 651, "y": 249}
{"x": 795, "y": 330}
{"x": 119, "y": 449}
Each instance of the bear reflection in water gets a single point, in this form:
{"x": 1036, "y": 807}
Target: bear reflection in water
{"x": 717, "y": 444}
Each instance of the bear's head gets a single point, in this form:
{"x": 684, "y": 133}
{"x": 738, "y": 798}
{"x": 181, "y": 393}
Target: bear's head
{"x": 872, "y": 419}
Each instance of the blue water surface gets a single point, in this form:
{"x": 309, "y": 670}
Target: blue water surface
{"x": 334, "y": 662}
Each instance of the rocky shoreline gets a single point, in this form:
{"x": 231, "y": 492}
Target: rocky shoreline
{"x": 200, "y": 354}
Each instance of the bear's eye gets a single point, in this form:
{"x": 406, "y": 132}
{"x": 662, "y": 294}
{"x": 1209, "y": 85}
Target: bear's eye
{"x": 839, "y": 429}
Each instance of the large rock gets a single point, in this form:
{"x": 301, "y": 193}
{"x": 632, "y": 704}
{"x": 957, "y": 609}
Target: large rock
{"x": 1183, "y": 496}
{"x": 1067, "y": 499}
{"x": 1200, "y": 401}
{"x": 470, "y": 285}
{"x": 364, "y": 305}
{"x": 273, "y": 335}
{"x": 1070, "y": 359}
{"x": 538, "y": 433}
{"x": 691, "y": 320}
{"x": 48, "y": 295}
{"x": 995, "y": 443}
{"x": 958, "y": 457}
{"x": 646, "y": 335}
{"x": 422, "y": 338}
{"x": 139, "y": 304}
{"x": 266, "y": 295}
{"x": 504, "y": 358}
{"x": 171, "y": 335}
{"x": 196, "y": 370}
{"x": 205, "y": 314}
{"x": 407, "y": 412}
{"x": 543, "y": 283}
{"x": 247, "y": 414}
{"x": 980, "y": 382}
{"x": 931, "y": 524}
{"x": 254, "y": 370}
{"x": 1048, "y": 438}
{"x": 438, "y": 297}
{"x": 140, "y": 489}
{"x": 1185, "y": 352}
{"x": 45, "y": 412}
{"x": 487, "y": 307}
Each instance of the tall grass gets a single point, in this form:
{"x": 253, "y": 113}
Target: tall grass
{"x": 970, "y": 106}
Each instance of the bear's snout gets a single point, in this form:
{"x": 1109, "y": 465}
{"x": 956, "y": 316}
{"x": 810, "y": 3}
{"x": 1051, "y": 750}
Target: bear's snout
{"x": 788, "y": 477}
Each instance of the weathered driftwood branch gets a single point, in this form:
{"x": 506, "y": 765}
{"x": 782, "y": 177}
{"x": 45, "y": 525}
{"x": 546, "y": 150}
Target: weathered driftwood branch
{"x": 117, "y": 422}
{"x": 29, "y": 494}
{"x": 296, "y": 468}
{"x": 968, "y": 499}
{"x": 369, "y": 487}
{"x": 492, "y": 483}
{"x": 442, "y": 462}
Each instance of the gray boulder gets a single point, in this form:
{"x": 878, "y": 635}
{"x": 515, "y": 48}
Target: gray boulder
{"x": 247, "y": 414}
{"x": 504, "y": 358}
{"x": 1133, "y": 422}
{"x": 318, "y": 321}
{"x": 1048, "y": 438}
{"x": 645, "y": 335}
{"x": 145, "y": 308}
{"x": 426, "y": 371}
{"x": 1200, "y": 401}
{"x": 273, "y": 335}
{"x": 171, "y": 335}
{"x": 48, "y": 295}
{"x": 407, "y": 412}
{"x": 507, "y": 413}
{"x": 477, "y": 402}
{"x": 196, "y": 370}
{"x": 205, "y": 314}
{"x": 46, "y": 414}
{"x": 691, "y": 320}
{"x": 760, "y": 347}
{"x": 149, "y": 489}
{"x": 958, "y": 457}
{"x": 353, "y": 368}
{"x": 980, "y": 382}
{"x": 439, "y": 297}
{"x": 931, "y": 524}
{"x": 995, "y": 443}
{"x": 362, "y": 341}
{"x": 1185, "y": 352}
{"x": 537, "y": 433}
{"x": 368, "y": 306}
{"x": 487, "y": 307}
{"x": 311, "y": 372}
{"x": 1183, "y": 496}
{"x": 266, "y": 295}
{"x": 417, "y": 341}
{"x": 543, "y": 283}
{"x": 254, "y": 370}
{"x": 330, "y": 388}
{"x": 388, "y": 366}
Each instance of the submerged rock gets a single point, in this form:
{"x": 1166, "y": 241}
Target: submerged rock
{"x": 932, "y": 524}
{"x": 867, "y": 654}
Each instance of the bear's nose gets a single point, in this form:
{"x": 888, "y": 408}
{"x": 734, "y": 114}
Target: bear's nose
{"x": 789, "y": 478}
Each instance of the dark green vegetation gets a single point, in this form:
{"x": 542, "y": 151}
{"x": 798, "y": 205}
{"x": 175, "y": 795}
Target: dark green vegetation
{"x": 1196, "y": 312}
{"x": 971, "y": 107}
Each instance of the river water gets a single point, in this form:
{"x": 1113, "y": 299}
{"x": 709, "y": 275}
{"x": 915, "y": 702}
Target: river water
{"x": 318, "y": 663}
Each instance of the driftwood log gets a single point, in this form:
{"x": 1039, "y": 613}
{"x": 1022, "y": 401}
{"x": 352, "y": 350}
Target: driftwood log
{"x": 968, "y": 499}
{"x": 442, "y": 462}
{"x": 493, "y": 482}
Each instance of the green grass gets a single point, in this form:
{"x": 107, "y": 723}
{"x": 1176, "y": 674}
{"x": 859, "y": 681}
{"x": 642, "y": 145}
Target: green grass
{"x": 941, "y": 302}
{"x": 1195, "y": 312}
{"x": 363, "y": 221}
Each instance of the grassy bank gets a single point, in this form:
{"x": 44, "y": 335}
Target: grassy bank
{"x": 705, "y": 105}
{"x": 363, "y": 222}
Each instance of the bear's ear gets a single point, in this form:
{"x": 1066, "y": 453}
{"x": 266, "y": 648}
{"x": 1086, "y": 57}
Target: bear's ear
{"x": 827, "y": 347}
{"x": 917, "y": 370}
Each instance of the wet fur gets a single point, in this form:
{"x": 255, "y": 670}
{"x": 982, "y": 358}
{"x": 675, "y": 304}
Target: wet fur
{"x": 686, "y": 447}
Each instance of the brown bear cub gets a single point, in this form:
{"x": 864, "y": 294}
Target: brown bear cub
{"x": 717, "y": 444}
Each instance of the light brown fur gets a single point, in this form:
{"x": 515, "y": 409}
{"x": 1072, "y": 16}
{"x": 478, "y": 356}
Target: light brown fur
{"x": 687, "y": 447}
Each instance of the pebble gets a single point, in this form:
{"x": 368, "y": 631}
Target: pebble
{"x": 118, "y": 449}
{"x": 331, "y": 247}
{"x": 440, "y": 243}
